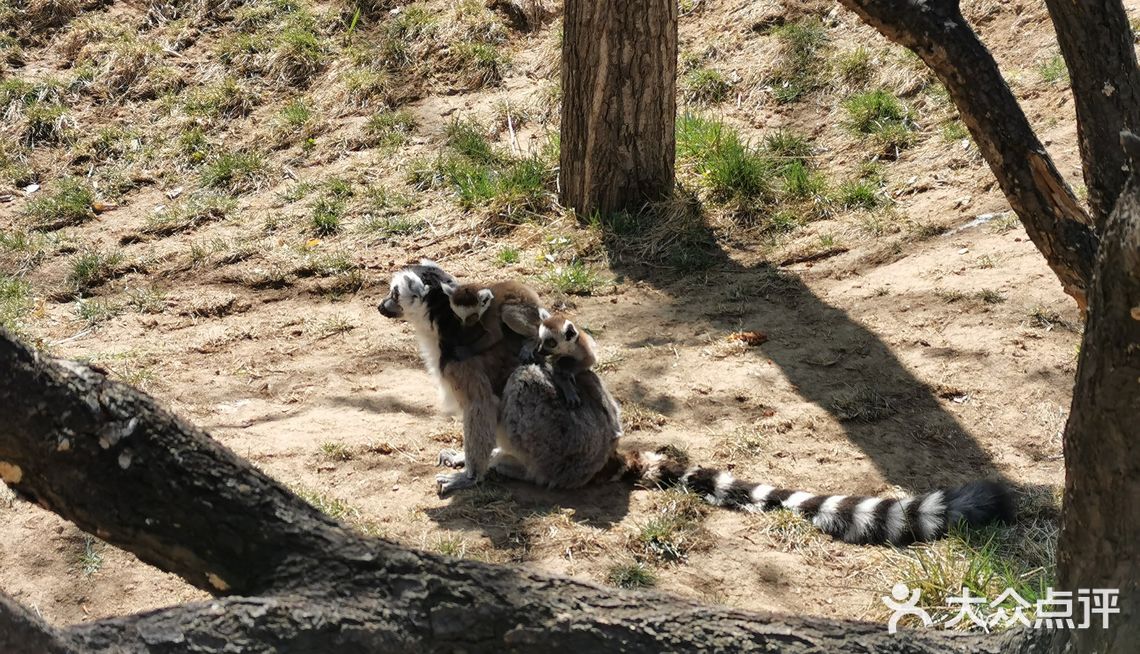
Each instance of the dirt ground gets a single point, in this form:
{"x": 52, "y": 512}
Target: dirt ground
{"x": 885, "y": 368}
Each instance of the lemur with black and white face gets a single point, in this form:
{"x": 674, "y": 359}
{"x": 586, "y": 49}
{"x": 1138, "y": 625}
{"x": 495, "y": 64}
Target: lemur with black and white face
{"x": 570, "y": 350}
{"x": 514, "y": 423}
{"x": 509, "y": 303}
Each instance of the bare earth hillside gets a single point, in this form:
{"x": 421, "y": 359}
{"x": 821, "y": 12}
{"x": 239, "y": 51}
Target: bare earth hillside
{"x": 206, "y": 198}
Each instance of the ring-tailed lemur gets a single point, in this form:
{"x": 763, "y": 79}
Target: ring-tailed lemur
{"x": 541, "y": 440}
{"x": 511, "y": 303}
{"x": 571, "y": 351}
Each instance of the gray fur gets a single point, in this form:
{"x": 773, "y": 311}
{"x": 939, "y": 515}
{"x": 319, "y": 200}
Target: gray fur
{"x": 560, "y": 447}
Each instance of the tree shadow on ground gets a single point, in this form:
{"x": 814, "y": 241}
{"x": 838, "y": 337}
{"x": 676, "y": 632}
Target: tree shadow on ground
{"x": 831, "y": 359}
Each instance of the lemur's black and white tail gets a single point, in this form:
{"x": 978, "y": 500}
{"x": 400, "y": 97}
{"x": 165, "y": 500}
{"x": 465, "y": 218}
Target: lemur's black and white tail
{"x": 850, "y": 518}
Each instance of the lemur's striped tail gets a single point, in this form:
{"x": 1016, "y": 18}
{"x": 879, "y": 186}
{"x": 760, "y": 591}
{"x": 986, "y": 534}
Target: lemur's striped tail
{"x": 853, "y": 519}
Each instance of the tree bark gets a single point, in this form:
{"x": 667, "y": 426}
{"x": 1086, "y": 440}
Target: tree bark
{"x": 619, "y": 76}
{"x": 1096, "y": 42}
{"x": 1100, "y": 535}
{"x": 1053, "y": 217}
{"x": 166, "y": 491}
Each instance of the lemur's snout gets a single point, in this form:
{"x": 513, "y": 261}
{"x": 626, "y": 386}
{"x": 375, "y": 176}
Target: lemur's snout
{"x": 388, "y": 308}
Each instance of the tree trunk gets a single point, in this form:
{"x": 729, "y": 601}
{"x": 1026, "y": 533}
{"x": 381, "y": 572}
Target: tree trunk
{"x": 1054, "y": 219}
{"x": 1096, "y": 41}
{"x": 619, "y": 76}
{"x": 1100, "y": 536}
{"x": 103, "y": 455}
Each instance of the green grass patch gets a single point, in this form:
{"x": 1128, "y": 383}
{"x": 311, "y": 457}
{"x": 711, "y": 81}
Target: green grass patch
{"x": 800, "y": 66}
{"x": 295, "y": 115}
{"x": 483, "y": 63}
{"x": 470, "y": 140}
{"x": 577, "y": 278}
{"x": 632, "y": 574}
{"x": 327, "y": 215}
{"x": 802, "y": 183}
{"x": 1054, "y": 70}
{"x": 674, "y": 530}
{"x": 235, "y": 172}
{"x": 15, "y": 302}
{"x": 70, "y": 204}
{"x": 859, "y": 194}
{"x": 92, "y": 267}
{"x": 954, "y": 130}
{"x": 703, "y": 85}
{"x": 224, "y": 99}
{"x": 507, "y": 255}
{"x": 855, "y": 67}
{"x": 197, "y": 209}
{"x": 392, "y": 226}
{"x": 389, "y": 129}
{"x": 731, "y": 170}
{"x": 880, "y": 114}
{"x": 96, "y": 310}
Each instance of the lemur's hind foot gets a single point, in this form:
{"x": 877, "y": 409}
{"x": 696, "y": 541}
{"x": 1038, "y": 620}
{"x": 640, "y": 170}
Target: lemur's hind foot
{"x": 456, "y": 481}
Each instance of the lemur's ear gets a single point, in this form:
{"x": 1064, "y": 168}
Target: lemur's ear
{"x": 543, "y": 314}
{"x": 449, "y": 288}
{"x": 415, "y": 284}
{"x": 570, "y": 332}
{"x": 485, "y": 296}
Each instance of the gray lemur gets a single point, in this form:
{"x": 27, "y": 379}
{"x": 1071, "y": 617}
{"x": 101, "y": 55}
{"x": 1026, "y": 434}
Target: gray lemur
{"x": 571, "y": 352}
{"x": 515, "y": 424}
{"x": 509, "y": 303}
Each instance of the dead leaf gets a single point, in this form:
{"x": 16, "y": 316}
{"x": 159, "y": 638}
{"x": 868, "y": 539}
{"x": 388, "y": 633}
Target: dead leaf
{"x": 751, "y": 339}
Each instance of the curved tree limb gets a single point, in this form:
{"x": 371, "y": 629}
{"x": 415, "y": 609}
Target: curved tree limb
{"x": 1053, "y": 217}
{"x": 155, "y": 485}
{"x": 1096, "y": 41}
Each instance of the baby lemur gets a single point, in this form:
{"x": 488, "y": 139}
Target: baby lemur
{"x": 570, "y": 350}
{"x": 511, "y": 303}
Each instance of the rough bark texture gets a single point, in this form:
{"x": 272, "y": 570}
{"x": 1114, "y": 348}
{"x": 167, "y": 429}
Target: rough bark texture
{"x": 166, "y": 491}
{"x": 1100, "y": 536}
{"x": 1053, "y": 217}
{"x": 1096, "y": 41}
{"x": 619, "y": 70}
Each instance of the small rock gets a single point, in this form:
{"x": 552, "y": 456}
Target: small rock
{"x": 31, "y": 188}
{"x": 173, "y": 193}
{"x": 963, "y": 250}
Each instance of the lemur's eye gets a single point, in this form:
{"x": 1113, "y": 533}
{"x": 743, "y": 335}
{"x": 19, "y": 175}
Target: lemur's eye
{"x": 549, "y": 343}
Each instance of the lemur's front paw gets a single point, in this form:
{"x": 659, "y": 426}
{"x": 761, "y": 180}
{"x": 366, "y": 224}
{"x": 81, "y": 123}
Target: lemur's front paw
{"x": 451, "y": 458}
{"x": 456, "y": 481}
{"x": 572, "y": 399}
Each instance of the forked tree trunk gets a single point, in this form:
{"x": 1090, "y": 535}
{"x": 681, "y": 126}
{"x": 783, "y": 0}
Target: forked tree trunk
{"x": 1100, "y": 537}
{"x": 1053, "y": 217}
{"x": 619, "y": 70}
{"x": 1096, "y": 41}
